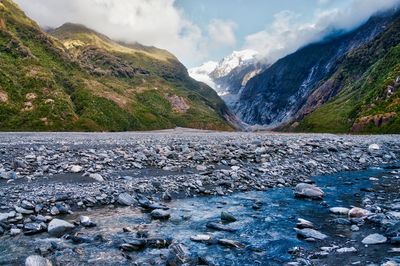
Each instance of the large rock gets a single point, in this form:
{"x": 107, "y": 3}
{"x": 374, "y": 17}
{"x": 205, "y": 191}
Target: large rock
{"x": 142, "y": 243}
{"x": 76, "y": 169}
{"x": 23, "y": 211}
{"x": 134, "y": 245}
{"x": 58, "y": 227}
{"x": 143, "y": 201}
{"x": 126, "y": 199}
{"x": 179, "y": 255}
{"x": 310, "y": 233}
{"x": 393, "y": 214}
{"x": 304, "y": 190}
{"x": 54, "y": 211}
{"x": 231, "y": 243}
{"x": 15, "y": 231}
{"x": 373, "y": 148}
{"x": 228, "y": 217}
{"x": 4, "y": 174}
{"x": 374, "y": 239}
{"x": 27, "y": 205}
{"x": 35, "y": 260}
{"x": 302, "y": 224}
{"x": 160, "y": 214}
{"x": 33, "y": 228}
{"x": 85, "y": 221}
{"x": 97, "y": 177}
{"x": 358, "y": 213}
{"x": 220, "y": 227}
{"x": 201, "y": 238}
{"x": 5, "y": 216}
{"x": 339, "y": 210}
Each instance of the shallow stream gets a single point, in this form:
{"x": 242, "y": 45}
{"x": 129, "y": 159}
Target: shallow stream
{"x": 267, "y": 233}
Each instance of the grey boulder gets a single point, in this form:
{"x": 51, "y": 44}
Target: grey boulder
{"x": 304, "y": 190}
{"x": 58, "y": 227}
{"x": 310, "y": 233}
{"x": 374, "y": 239}
{"x": 35, "y": 260}
{"x": 126, "y": 199}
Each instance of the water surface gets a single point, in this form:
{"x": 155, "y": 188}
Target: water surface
{"x": 267, "y": 233}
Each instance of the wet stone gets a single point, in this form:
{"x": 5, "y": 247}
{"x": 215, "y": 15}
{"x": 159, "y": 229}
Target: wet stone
{"x": 162, "y": 167}
{"x": 159, "y": 214}
{"x": 220, "y": 227}
{"x": 358, "y": 213}
{"x": 201, "y": 238}
{"x": 304, "y": 190}
{"x": 33, "y": 228}
{"x": 310, "y": 233}
{"x": 231, "y": 243}
{"x": 339, "y": 210}
{"x": 228, "y": 217}
{"x": 302, "y": 224}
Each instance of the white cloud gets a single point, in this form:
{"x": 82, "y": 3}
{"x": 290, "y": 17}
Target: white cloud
{"x": 287, "y": 34}
{"x": 162, "y": 24}
{"x": 222, "y": 32}
{"x": 150, "y": 22}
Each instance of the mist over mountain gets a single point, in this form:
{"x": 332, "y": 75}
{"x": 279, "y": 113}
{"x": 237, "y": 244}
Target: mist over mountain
{"x": 229, "y": 76}
{"x": 113, "y": 152}
{"x": 77, "y": 79}
{"x": 291, "y": 93}
{"x": 281, "y": 77}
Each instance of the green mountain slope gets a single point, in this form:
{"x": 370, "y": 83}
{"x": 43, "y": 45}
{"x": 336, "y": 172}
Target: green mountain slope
{"x": 78, "y": 79}
{"x": 367, "y": 82}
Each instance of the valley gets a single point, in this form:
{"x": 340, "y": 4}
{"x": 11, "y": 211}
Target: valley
{"x": 116, "y": 152}
{"x": 345, "y": 83}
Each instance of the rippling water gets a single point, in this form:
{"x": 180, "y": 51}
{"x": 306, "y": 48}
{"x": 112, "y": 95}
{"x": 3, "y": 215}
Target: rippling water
{"x": 267, "y": 233}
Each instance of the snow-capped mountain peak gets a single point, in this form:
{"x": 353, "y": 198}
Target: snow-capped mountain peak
{"x": 212, "y": 70}
{"x": 228, "y": 76}
{"x": 202, "y": 73}
{"x": 234, "y": 60}
{"x": 206, "y": 68}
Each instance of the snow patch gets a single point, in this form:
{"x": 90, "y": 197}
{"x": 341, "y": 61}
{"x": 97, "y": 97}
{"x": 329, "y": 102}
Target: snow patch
{"x": 202, "y": 73}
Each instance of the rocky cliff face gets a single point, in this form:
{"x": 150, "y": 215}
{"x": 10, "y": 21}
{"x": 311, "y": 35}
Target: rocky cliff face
{"x": 368, "y": 98}
{"x": 296, "y": 85}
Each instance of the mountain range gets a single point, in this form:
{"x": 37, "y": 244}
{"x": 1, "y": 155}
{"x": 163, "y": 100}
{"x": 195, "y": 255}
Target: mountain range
{"x": 347, "y": 82}
{"x": 75, "y": 79}
{"x": 229, "y": 76}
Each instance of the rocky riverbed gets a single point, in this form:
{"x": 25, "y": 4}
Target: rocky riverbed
{"x": 47, "y": 179}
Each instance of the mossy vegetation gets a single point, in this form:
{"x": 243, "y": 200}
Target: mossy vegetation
{"x": 369, "y": 100}
{"x": 79, "y": 80}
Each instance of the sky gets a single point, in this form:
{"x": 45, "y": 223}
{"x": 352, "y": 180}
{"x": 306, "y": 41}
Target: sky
{"x": 197, "y": 31}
